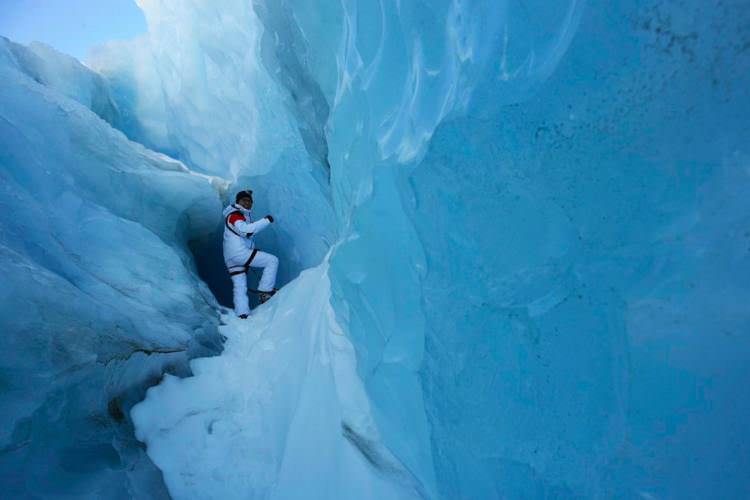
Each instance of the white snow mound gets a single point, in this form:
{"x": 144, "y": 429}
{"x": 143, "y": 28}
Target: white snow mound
{"x": 280, "y": 414}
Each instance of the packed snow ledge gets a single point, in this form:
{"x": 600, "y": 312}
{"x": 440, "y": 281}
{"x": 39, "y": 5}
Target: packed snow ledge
{"x": 280, "y": 414}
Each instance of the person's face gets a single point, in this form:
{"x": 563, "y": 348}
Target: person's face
{"x": 246, "y": 203}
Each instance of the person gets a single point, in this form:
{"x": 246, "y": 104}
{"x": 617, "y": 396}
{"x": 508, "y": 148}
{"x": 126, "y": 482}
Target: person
{"x": 240, "y": 253}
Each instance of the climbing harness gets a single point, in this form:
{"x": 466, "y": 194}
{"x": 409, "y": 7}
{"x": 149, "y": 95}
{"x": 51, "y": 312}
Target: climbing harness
{"x": 244, "y": 267}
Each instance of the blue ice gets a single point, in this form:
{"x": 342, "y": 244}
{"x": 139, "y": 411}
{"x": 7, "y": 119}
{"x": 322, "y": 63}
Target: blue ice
{"x": 514, "y": 242}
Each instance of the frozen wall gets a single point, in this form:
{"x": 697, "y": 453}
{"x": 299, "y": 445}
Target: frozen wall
{"x": 98, "y": 294}
{"x": 604, "y": 228}
{"x": 545, "y": 267}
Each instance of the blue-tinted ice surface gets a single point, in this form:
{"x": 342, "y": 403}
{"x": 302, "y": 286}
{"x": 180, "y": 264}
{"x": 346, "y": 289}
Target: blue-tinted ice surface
{"x": 98, "y": 295}
{"x": 528, "y": 227}
{"x": 546, "y": 274}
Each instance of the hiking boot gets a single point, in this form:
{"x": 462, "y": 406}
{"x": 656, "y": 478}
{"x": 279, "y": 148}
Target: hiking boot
{"x": 264, "y": 296}
{"x": 243, "y": 316}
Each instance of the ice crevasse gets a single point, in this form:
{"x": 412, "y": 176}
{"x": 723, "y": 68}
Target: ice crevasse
{"x": 514, "y": 238}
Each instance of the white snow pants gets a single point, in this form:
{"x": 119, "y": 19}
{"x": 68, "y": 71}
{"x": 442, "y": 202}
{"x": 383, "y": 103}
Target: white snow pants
{"x": 270, "y": 264}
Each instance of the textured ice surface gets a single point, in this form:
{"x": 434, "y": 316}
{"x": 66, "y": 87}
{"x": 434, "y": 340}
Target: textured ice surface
{"x": 96, "y": 281}
{"x": 199, "y": 92}
{"x": 64, "y": 74}
{"x": 545, "y": 250}
{"x": 540, "y": 274}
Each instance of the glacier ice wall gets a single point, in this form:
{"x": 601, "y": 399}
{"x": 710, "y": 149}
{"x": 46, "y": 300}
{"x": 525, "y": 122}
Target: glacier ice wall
{"x": 606, "y": 240}
{"x": 544, "y": 268}
{"x": 98, "y": 294}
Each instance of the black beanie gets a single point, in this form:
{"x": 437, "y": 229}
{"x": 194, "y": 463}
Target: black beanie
{"x": 243, "y": 194}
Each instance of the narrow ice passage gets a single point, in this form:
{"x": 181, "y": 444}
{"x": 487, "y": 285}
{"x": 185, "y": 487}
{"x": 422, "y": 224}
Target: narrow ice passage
{"x": 280, "y": 414}
{"x": 514, "y": 244}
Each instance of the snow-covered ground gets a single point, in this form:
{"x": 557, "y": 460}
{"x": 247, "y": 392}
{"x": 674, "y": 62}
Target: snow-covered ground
{"x": 280, "y": 414}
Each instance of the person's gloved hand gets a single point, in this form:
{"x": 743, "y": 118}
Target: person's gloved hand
{"x": 270, "y": 219}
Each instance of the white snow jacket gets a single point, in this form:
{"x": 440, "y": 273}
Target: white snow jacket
{"x": 239, "y": 247}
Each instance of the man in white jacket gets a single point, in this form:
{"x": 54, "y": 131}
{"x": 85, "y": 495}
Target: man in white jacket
{"x": 240, "y": 253}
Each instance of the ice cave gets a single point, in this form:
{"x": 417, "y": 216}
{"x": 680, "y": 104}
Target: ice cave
{"x": 514, "y": 245}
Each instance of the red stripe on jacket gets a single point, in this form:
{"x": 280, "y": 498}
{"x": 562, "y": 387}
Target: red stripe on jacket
{"x": 235, "y": 217}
